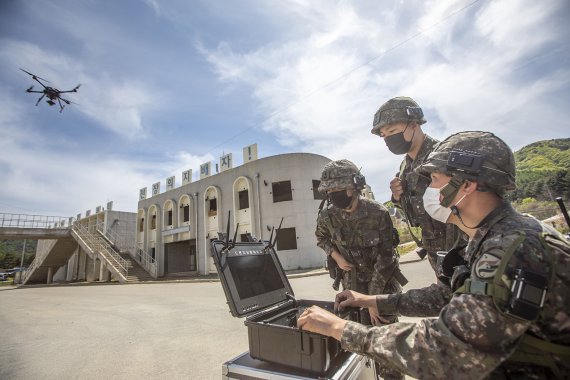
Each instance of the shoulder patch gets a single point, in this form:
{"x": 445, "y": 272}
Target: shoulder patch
{"x": 486, "y": 266}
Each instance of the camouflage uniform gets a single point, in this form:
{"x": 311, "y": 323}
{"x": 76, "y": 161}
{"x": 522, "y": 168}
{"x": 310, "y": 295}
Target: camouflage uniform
{"x": 424, "y": 302}
{"x": 366, "y": 235}
{"x": 478, "y": 335}
{"x": 435, "y": 236}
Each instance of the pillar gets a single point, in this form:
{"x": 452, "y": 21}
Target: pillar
{"x": 49, "y": 275}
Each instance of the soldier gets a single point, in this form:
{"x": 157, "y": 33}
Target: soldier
{"x": 356, "y": 233}
{"x": 398, "y": 122}
{"x": 509, "y": 316}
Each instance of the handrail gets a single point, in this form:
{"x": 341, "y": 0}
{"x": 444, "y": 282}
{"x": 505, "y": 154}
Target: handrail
{"x": 34, "y": 221}
{"x": 114, "y": 237}
{"x": 147, "y": 261}
{"x": 100, "y": 245}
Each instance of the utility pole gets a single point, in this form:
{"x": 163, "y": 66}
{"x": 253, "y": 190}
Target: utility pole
{"x": 22, "y": 261}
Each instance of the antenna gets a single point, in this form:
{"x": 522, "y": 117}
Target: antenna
{"x": 277, "y": 233}
{"x": 235, "y": 237}
{"x": 271, "y": 243}
{"x": 271, "y": 236}
{"x": 228, "y": 233}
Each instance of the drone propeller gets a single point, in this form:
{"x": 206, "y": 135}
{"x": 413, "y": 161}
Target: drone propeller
{"x": 30, "y": 89}
{"x": 34, "y": 75}
{"x": 73, "y": 90}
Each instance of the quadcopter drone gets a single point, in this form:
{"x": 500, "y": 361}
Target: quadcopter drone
{"x": 53, "y": 94}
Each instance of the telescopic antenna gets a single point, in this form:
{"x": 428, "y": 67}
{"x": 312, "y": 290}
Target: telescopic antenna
{"x": 277, "y": 233}
{"x": 226, "y": 245}
{"x": 235, "y": 237}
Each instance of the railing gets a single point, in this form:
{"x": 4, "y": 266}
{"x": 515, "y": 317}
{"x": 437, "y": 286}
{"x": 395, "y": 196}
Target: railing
{"x": 147, "y": 261}
{"x": 100, "y": 245}
{"x": 34, "y": 221}
{"x": 118, "y": 240}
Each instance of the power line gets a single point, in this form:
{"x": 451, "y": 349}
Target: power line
{"x": 346, "y": 74}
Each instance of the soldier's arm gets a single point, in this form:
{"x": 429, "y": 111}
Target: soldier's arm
{"x": 324, "y": 239}
{"x": 424, "y": 302}
{"x": 469, "y": 339}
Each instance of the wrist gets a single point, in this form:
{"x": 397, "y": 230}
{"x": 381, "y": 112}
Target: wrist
{"x": 337, "y": 328}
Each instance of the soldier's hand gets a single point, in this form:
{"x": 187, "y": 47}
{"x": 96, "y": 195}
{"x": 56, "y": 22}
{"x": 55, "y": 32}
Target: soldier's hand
{"x": 396, "y": 188}
{"x": 318, "y": 320}
{"x": 340, "y": 261}
{"x": 351, "y": 298}
{"x": 375, "y": 317}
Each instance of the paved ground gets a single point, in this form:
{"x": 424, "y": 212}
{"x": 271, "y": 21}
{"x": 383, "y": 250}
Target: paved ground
{"x": 159, "y": 330}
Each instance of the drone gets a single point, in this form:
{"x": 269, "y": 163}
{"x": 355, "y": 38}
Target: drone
{"x": 53, "y": 94}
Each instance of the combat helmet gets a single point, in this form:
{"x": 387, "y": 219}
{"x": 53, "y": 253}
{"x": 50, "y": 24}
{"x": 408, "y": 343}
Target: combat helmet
{"x": 474, "y": 156}
{"x": 341, "y": 174}
{"x": 397, "y": 110}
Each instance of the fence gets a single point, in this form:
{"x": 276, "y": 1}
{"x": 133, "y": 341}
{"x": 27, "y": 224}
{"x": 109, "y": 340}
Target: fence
{"x": 34, "y": 221}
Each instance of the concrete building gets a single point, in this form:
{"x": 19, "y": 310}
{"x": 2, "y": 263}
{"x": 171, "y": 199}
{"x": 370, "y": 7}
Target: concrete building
{"x": 174, "y": 228}
{"x": 117, "y": 226}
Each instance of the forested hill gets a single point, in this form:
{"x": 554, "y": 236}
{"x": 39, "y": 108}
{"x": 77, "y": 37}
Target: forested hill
{"x": 543, "y": 170}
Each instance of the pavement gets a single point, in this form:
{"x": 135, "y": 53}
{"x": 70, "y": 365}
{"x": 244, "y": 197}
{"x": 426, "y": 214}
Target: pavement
{"x": 409, "y": 257}
{"x": 164, "y": 331}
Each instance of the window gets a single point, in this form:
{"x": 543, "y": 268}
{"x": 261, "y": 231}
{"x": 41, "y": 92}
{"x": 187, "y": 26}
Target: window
{"x": 282, "y": 191}
{"x": 153, "y": 222}
{"x": 213, "y": 208}
{"x": 243, "y": 198}
{"x": 169, "y": 221}
{"x": 152, "y": 253}
{"x": 186, "y": 212}
{"x": 287, "y": 239}
{"x": 316, "y": 194}
{"x": 247, "y": 237}
{"x": 141, "y": 225}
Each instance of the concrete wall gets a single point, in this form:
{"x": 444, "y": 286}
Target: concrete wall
{"x": 257, "y": 177}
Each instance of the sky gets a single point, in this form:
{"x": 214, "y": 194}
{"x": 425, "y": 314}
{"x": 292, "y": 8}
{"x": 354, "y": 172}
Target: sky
{"x": 169, "y": 85}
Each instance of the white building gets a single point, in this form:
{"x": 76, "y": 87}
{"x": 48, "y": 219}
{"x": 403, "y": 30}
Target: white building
{"x": 174, "y": 228}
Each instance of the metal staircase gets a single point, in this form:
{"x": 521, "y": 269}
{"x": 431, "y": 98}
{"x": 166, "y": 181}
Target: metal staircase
{"x": 136, "y": 271}
{"x": 119, "y": 262}
{"x": 97, "y": 246}
{"x": 114, "y": 251}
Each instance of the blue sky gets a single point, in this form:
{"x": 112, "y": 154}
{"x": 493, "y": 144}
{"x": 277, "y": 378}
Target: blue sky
{"x": 168, "y": 85}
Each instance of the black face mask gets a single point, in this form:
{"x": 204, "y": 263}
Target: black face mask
{"x": 397, "y": 143}
{"x": 340, "y": 199}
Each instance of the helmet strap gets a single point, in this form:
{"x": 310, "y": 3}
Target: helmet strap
{"x": 450, "y": 190}
{"x": 455, "y": 211}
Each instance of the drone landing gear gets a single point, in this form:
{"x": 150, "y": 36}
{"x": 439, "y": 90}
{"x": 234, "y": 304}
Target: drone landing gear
{"x": 40, "y": 99}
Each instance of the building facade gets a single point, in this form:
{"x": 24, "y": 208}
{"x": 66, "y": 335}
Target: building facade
{"x": 174, "y": 228}
{"x": 118, "y": 226}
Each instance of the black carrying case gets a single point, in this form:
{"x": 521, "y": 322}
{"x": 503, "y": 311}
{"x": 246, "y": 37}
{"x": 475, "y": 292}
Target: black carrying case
{"x": 257, "y": 288}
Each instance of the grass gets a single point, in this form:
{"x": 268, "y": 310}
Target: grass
{"x": 407, "y": 248}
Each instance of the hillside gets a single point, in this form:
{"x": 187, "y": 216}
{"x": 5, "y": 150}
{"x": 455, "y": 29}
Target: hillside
{"x": 543, "y": 170}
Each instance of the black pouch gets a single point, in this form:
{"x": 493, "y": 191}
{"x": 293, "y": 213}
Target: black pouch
{"x": 460, "y": 274}
{"x": 331, "y": 266}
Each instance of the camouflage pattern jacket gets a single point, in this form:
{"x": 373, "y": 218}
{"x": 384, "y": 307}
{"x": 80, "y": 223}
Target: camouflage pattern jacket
{"x": 436, "y": 236}
{"x": 473, "y": 338}
{"x": 424, "y": 302}
{"x": 367, "y": 234}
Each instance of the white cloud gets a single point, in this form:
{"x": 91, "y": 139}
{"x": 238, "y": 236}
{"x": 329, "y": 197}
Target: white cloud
{"x": 66, "y": 183}
{"x": 317, "y": 93}
{"x": 153, "y": 4}
{"x": 115, "y": 104}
